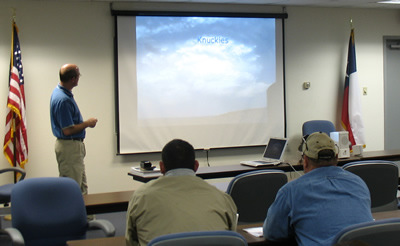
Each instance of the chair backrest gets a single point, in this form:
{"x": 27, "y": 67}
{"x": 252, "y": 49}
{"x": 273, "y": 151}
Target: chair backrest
{"x": 318, "y": 126}
{"x": 374, "y": 233}
{"x": 48, "y": 211}
{"x": 254, "y": 192}
{"x": 382, "y": 179}
{"x": 200, "y": 238}
{"x": 5, "y": 190}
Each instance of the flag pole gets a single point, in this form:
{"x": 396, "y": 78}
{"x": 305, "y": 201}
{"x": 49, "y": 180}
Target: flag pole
{"x": 8, "y": 216}
{"x": 14, "y": 17}
{"x": 351, "y": 109}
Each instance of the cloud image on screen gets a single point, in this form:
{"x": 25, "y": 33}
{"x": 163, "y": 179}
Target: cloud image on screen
{"x": 191, "y": 68}
{"x": 216, "y": 82}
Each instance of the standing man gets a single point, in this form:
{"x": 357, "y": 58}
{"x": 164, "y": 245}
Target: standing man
{"x": 315, "y": 207}
{"x": 69, "y": 128}
{"x": 178, "y": 201}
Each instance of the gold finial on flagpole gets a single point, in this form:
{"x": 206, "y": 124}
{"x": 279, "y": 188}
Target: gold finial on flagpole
{"x": 351, "y": 23}
{"x": 14, "y": 14}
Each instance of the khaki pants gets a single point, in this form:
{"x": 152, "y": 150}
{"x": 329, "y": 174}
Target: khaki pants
{"x": 70, "y": 156}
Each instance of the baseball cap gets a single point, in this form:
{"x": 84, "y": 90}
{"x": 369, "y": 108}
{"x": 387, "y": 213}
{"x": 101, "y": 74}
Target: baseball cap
{"x": 316, "y": 142}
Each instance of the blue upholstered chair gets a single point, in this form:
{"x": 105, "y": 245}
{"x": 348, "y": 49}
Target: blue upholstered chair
{"x": 381, "y": 178}
{"x": 254, "y": 192}
{"x": 318, "y": 126}
{"x": 200, "y": 238}
{"x": 374, "y": 233}
{"x": 5, "y": 190}
{"x": 50, "y": 211}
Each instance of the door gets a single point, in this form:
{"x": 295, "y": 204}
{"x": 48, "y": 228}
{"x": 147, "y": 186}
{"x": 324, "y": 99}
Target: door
{"x": 392, "y": 92}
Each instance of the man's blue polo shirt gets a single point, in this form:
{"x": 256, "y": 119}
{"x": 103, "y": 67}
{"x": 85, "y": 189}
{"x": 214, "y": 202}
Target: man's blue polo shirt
{"x": 64, "y": 112}
{"x": 317, "y": 205}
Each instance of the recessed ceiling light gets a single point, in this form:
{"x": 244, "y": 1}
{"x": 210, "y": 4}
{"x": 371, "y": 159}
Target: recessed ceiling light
{"x": 391, "y": 1}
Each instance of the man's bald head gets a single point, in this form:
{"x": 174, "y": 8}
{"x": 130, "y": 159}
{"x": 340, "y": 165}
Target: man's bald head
{"x": 68, "y": 72}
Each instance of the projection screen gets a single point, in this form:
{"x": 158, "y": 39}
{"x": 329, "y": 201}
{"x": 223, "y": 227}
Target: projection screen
{"x": 215, "y": 81}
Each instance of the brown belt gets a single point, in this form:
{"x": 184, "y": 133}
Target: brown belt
{"x": 76, "y": 139}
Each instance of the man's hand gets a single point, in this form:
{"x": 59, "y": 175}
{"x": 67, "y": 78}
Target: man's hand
{"x": 80, "y": 127}
{"x": 91, "y": 122}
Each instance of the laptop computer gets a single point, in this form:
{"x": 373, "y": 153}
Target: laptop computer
{"x": 272, "y": 154}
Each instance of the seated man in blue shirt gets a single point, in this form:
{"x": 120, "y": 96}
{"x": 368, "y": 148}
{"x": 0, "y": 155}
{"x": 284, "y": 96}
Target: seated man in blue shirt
{"x": 315, "y": 207}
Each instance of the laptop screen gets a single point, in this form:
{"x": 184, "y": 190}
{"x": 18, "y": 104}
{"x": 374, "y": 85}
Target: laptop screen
{"x": 275, "y": 148}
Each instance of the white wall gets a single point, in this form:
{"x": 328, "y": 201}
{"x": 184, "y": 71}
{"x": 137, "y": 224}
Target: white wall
{"x": 316, "y": 51}
{"x": 55, "y": 32}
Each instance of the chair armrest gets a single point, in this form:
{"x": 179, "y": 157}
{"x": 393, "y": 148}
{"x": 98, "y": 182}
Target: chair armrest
{"x": 16, "y": 237}
{"x": 15, "y": 169}
{"x": 104, "y": 225}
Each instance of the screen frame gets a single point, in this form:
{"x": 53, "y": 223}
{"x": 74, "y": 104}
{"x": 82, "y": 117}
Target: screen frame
{"x": 117, "y": 13}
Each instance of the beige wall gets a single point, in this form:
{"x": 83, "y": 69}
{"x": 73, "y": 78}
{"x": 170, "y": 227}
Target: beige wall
{"x": 56, "y": 32}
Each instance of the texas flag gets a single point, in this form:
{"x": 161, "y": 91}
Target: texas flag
{"x": 351, "y": 109}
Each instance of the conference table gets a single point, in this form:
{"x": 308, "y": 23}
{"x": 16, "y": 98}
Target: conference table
{"x": 227, "y": 171}
{"x": 107, "y": 202}
{"x": 251, "y": 240}
{"x": 118, "y": 201}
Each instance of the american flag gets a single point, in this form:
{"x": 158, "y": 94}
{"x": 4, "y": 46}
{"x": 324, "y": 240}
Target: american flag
{"x": 351, "y": 109}
{"x": 15, "y": 139}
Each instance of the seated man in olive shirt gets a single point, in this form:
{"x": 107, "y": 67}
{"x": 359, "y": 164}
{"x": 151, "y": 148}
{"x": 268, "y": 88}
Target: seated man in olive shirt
{"x": 178, "y": 201}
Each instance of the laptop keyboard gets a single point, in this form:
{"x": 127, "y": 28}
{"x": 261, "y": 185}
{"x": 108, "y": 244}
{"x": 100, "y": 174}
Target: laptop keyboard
{"x": 271, "y": 161}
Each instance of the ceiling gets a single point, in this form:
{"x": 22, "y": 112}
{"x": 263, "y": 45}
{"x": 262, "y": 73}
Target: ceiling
{"x": 308, "y": 3}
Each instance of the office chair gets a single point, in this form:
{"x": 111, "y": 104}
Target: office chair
{"x": 254, "y": 192}
{"x": 373, "y": 233}
{"x": 5, "y": 190}
{"x": 50, "y": 211}
{"x": 381, "y": 178}
{"x": 200, "y": 238}
{"x": 318, "y": 126}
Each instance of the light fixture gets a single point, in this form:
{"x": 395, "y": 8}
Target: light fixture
{"x": 391, "y": 1}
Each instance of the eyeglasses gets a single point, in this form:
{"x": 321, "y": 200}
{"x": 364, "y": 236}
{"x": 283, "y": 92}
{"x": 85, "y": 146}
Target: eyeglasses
{"x": 301, "y": 148}
{"x": 301, "y": 159}
{"x": 304, "y": 142}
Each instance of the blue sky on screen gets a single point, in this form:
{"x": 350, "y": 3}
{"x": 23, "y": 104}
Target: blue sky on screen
{"x": 203, "y": 66}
